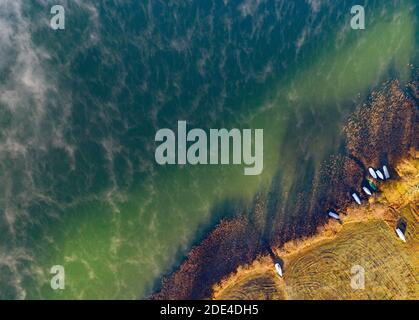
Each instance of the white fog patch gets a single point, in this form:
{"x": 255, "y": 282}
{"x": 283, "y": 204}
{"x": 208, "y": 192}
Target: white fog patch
{"x": 26, "y": 80}
{"x": 23, "y": 97}
{"x": 301, "y": 39}
{"x": 315, "y": 5}
{"x": 12, "y": 260}
{"x": 249, "y": 7}
{"x": 29, "y": 97}
{"x": 36, "y": 110}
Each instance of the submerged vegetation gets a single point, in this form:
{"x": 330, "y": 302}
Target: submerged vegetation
{"x": 389, "y": 115}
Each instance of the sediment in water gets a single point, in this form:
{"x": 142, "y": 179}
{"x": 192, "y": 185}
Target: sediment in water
{"x": 381, "y": 131}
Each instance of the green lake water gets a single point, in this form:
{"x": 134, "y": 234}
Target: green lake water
{"x": 80, "y": 109}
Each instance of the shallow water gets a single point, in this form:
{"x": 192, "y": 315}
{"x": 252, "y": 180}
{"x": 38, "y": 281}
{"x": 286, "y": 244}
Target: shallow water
{"x": 79, "y": 110}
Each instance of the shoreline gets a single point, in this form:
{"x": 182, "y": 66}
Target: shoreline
{"x": 395, "y": 196}
{"x": 388, "y": 115}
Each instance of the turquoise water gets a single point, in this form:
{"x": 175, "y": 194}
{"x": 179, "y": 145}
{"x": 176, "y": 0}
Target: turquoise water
{"x": 79, "y": 109}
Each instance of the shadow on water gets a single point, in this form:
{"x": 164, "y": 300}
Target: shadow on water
{"x": 402, "y": 225}
{"x": 296, "y": 204}
{"x": 271, "y": 209}
{"x": 359, "y": 163}
{"x": 276, "y": 259}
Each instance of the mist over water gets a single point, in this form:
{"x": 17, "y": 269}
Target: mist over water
{"x": 79, "y": 109}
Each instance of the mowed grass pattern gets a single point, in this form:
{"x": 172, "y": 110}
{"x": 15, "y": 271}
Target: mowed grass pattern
{"x": 324, "y": 272}
{"x": 319, "y": 267}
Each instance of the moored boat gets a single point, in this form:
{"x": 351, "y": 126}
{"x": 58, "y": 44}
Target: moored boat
{"x": 278, "y": 269}
{"x": 400, "y": 234}
{"x": 386, "y": 173}
{"x": 356, "y": 198}
{"x": 366, "y": 190}
{"x": 334, "y": 215}
{"x": 372, "y": 185}
{"x": 372, "y": 173}
{"x": 380, "y": 174}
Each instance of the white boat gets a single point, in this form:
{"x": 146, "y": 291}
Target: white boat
{"x": 334, "y": 215}
{"x": 356, "y": 198}
{"x": 367, "y": 191}
{"x": 386, "y": 173}
{"x": 400, "y": 234}
{"x": 380, "y": 174}
{"x": 372, "y": 173}
{"x": 278, "y": 269}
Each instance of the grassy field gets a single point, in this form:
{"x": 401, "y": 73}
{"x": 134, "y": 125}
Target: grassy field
{"x": 319, "y": 267}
